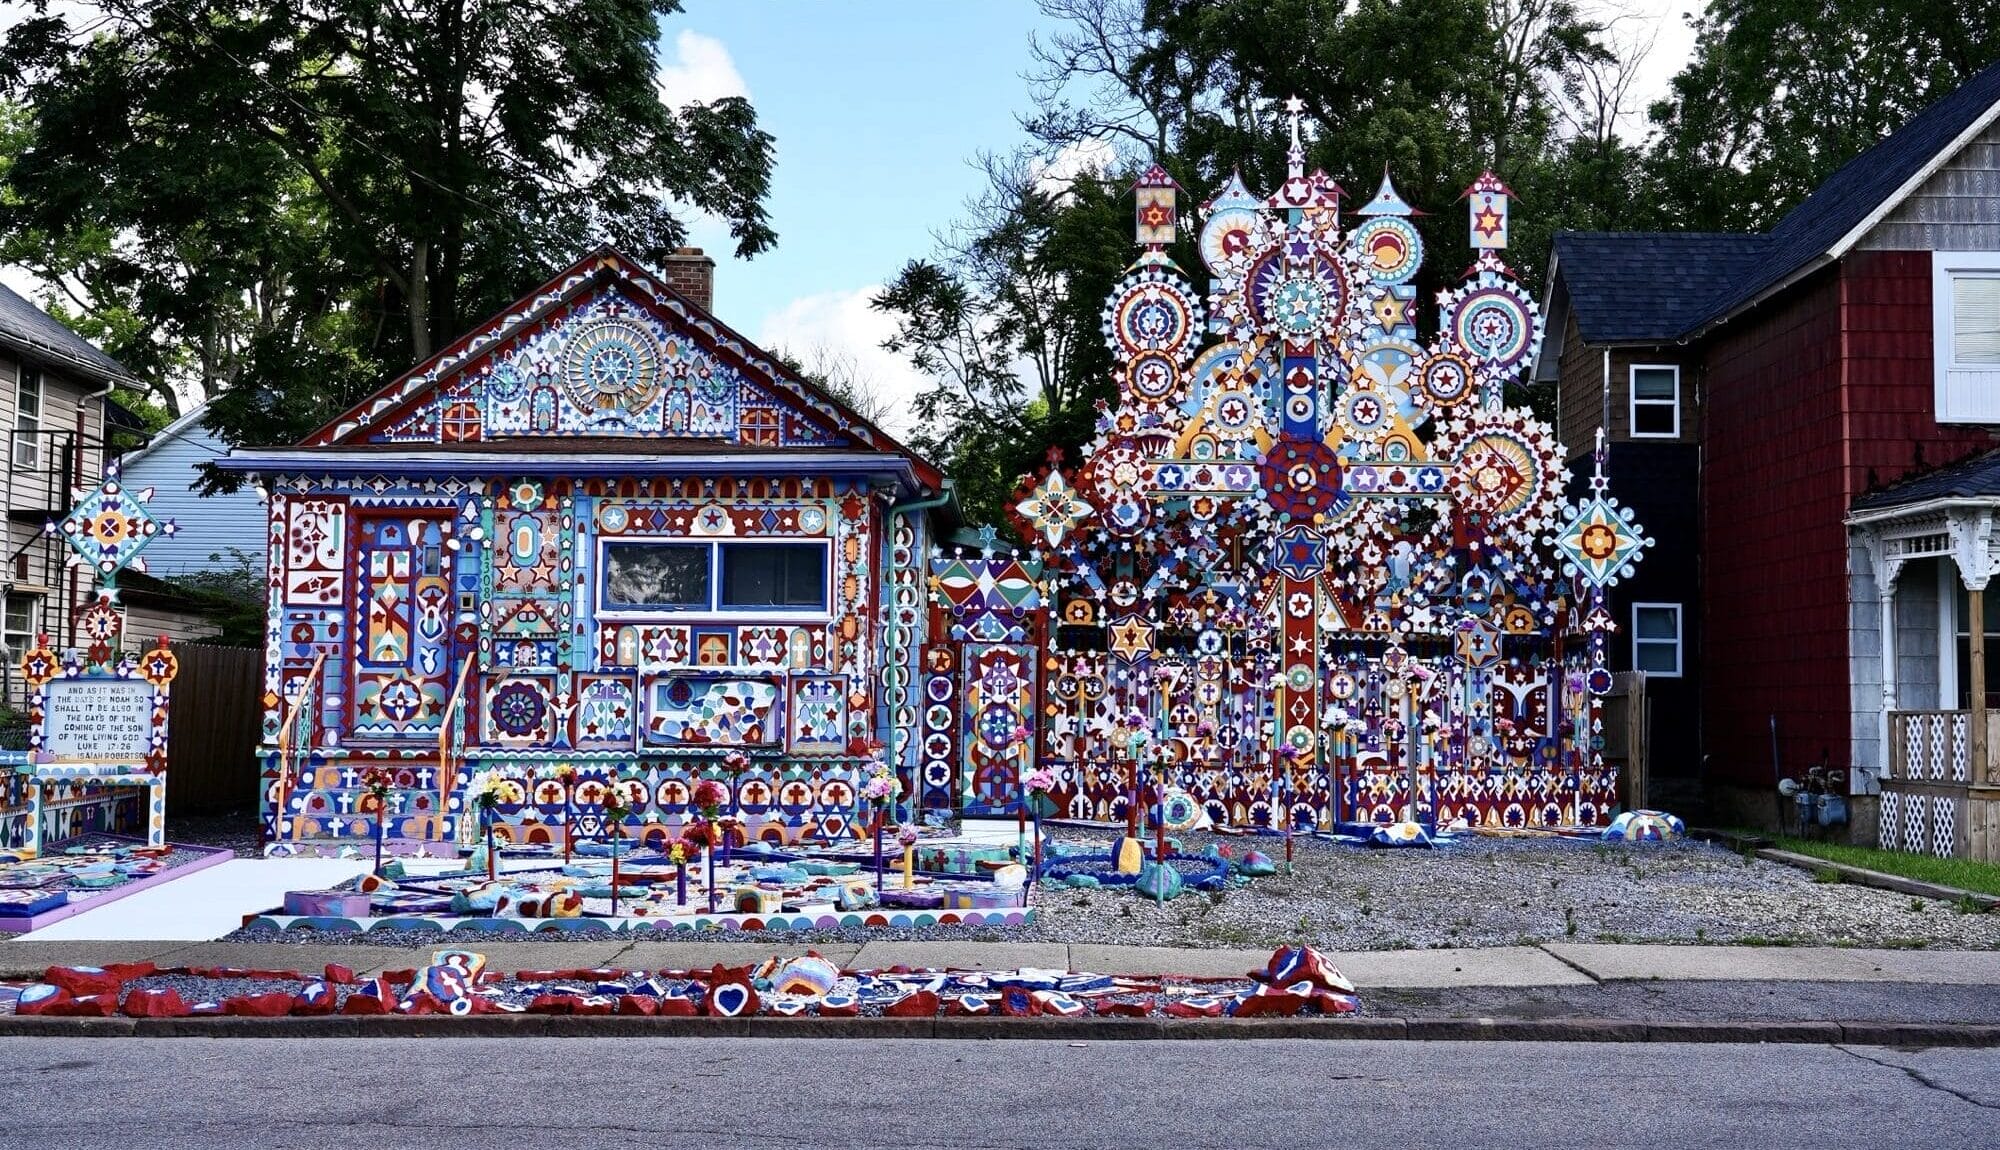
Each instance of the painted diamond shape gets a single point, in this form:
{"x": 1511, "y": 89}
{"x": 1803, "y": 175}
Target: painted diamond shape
{"x": 110, "y": 526}
{"x": 1053, "y": 508}
{"x": 1601, "y": 542}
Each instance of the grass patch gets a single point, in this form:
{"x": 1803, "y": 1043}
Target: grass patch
{"x": 1965, "y": 874}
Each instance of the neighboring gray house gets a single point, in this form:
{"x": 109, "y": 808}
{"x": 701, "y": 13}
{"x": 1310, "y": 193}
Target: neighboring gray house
{"x": 211, "y": 528}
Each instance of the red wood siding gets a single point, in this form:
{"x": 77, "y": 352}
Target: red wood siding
{"x": 1804, "y": 397}
{"x": 1773, "y": 548}
{"x": 1891, "y": 395}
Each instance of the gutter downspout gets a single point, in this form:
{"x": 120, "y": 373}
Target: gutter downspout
{"x": 899, "y": 647}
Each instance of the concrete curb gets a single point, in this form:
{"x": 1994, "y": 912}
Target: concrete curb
{"x": 1046, "y": 1029}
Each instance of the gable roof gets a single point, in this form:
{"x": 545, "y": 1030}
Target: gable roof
{"x": 36, "y": 335}
{"x": 599, "y": 275}
{"x": 189, "y": 423}
{"x": 1648, "y": 287}
{"x": 1854, "y": 198}
{"x": 1656, "y": 287}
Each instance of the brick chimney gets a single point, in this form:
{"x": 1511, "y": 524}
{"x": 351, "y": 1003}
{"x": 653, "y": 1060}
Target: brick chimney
{"x": 693, "y": 275}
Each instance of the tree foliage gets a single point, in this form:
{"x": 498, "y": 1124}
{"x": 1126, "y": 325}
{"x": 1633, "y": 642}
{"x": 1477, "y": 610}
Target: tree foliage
{"x": 278, "y": 205}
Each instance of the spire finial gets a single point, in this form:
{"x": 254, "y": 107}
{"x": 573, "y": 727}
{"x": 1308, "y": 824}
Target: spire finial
{"x": 1296, "y": 158}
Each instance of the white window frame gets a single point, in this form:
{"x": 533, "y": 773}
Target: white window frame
{"x": 714, "y": 612}
{"x": 8, "y": 636}
{"x": 1969, "y": 394}
{"x": 27, "y": 454}
{"x": 1633, "y": 402}
{"x": 1680, "y": 639}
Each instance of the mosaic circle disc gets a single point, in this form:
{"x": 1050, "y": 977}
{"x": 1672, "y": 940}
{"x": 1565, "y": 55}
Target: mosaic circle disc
{"x": 612, "y": 363}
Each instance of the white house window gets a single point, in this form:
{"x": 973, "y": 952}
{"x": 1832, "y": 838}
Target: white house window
{"x": 1656, "y": 401}
{"x": 1965, "y": 336}
{"x": 28, "y": 420}
{"x": 1656, "y": 638}
{"x": 686, "y": 576}
{"x": 17, "y": 629}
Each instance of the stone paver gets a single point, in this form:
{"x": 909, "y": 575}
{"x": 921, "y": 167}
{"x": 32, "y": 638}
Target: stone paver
{"x": 1099, "y": 959}
{"x": 1494, "y": 966}
{"x": 1745, "y": 963}
{"x": 700, "y": 955}
{"x": 965, "y": 955}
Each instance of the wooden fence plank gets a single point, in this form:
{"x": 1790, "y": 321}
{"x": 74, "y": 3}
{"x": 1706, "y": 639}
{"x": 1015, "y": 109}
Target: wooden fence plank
{"x": 212, "y": 729}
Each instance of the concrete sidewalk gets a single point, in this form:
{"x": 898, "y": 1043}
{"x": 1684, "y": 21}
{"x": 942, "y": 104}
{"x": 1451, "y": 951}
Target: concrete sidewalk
{"x": 1549, "y": 965}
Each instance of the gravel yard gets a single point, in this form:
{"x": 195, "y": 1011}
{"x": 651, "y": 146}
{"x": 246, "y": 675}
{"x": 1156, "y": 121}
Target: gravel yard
{"x": 1481, "y": 892}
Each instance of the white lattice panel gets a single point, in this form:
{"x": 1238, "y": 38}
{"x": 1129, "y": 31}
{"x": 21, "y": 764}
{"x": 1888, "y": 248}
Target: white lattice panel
{"x": 1934, "y": 747}
{"x": 1961, "y": 747}
{"x": 1890, "y": 824}
{"x": 1914, "y": 838}
{"x": 1944, "y": 825}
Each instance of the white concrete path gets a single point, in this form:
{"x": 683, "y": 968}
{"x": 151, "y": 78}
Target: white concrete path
{"x": 204, "y": 905}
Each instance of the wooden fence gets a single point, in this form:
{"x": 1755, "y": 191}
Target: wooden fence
{"x": 212, "y": 729}
{"x": 1627, "y": 723}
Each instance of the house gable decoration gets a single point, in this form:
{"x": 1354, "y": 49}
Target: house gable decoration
{"x": 604, "y": 350}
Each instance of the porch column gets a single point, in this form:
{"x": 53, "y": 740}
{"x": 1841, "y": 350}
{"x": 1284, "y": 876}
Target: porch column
{"x": 1972, "y": 534}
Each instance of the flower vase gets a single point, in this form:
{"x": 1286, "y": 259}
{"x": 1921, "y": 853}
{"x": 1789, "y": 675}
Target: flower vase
{"x": 614, "y": 868}
{"x": 381, "y": 828}
{"x": 878, "y": 851}
{"x": 1035, "y": 823}
{"x": 569, "y": 824}
{"x": 681, "y": 883}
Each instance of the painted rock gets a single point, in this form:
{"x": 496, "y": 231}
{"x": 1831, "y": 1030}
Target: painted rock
{"x": 1403, "y": 834}
{"x": 974, "y": 1004}
{"x": 638, "y": 1004}
{"x": 1057, "y": 1003}
{"x": 315, "y": 998}
{"x": 274, "y": 1005}
{"x": 364, "y": 1004}
{"x": 1131, "y": 855}
{"x": 1265, "y": 1002}
{"x": 82, "y": 980}
{"x": 1291, "y": 965}
{"x": 39, "y": 997}
{"x": 734, "y": 999}
{"x": 327, "y": 903}
{"x": 338, "y": 975}
{"x": 1257, "y": 864}
{"x": 1119, "y": 1008}
{"x": 677, "y": 1006}
{"x": 809, "y": 977}
{"x": 1159, "y": 881}
{"x": 1082, "y": 881}
{"x": 1013, "y": 876}
{"x": 854, "y": 894}
{"x": 1200, "y": 1006}
{"x": 1019, "y": 1002}
{"x": 156, "y": 1004}
{"x": 916, "y": 1004}
{"x": 840, "y": 1004}
{"x": 1644, "y": 827}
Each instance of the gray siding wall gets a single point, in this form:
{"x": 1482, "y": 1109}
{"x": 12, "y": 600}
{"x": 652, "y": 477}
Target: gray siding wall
{"x": 1956, "y": 210}
{"x": 205, "y": 525}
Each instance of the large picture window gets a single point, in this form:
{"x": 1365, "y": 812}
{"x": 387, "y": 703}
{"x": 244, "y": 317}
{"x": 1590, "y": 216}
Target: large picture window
{"x": 687, "y": 576}
{"x": 657, "y": 576}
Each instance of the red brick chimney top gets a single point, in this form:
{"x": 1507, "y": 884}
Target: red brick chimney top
{"x": 693, "y": 275}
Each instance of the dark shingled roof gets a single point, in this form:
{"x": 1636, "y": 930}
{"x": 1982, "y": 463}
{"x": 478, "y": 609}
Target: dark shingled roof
{"x": 1645, "y": 287}
{"x": 35, "y": 335}
{"x": 1861, "y": 186}
{"x": 1971, "y": 477}
{"x": 1635, "y": 287}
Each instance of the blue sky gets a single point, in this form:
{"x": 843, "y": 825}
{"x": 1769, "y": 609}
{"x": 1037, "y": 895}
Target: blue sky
{"x": 878, "y": 110}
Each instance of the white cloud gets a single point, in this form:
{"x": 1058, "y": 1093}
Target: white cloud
{"x": 842, "y": 324}
{"x": 699, "y": 72}
{"x": 1053, "y": 175}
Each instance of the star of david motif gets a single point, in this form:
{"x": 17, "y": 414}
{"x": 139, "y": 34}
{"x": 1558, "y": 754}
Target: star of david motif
{"x": 1478, "y": 643}
{"x": 1131, "y": 638}
{"x": 1301, "y": 552}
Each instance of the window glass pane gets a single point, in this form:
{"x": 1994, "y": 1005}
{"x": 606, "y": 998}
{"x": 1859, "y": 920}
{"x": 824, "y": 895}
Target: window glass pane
{"x": 28, "y": 397}
{"x": 1975, "y": 319}
{"x": 671, "y": 575}
{"x": 20, "y": 614}
{"x": 1654, "y": 382}
{"x": 1653, "y": 419}
{"x": 773, "y": 575}
{"x": 1659, "y": 658}
{"x": 1656, "y": 623}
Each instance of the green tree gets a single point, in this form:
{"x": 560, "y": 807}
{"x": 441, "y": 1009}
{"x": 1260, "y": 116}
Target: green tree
{"x": 279, "y": 205}
{"x": 1780, "y": 93}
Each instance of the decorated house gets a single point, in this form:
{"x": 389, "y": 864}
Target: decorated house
{"x": 600, "y": 541}
{"x": 1808, "y": 417}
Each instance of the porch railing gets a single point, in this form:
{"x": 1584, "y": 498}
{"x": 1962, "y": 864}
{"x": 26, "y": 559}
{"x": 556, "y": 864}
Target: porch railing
{"x": 1936, "y": 746}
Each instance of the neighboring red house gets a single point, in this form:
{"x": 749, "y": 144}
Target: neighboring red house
{"x": 1854, "y": 346}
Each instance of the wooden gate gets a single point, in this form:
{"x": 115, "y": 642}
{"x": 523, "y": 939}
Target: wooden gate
{"x": 212, "y": 728}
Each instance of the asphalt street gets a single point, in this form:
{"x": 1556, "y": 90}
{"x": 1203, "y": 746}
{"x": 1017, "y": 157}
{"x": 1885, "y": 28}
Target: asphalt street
{"x": 721, "y": 1094}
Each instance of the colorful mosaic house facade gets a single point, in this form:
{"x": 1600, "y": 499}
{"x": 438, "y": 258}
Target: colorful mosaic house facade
{"x": 602, "y": 531}
{"x": 1312, "y": 570}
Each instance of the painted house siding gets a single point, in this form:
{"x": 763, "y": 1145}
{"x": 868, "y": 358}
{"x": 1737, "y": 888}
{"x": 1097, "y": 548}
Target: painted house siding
{"x": 209, "y": 526}
{"x": 1774, "y": 551}
{"x": 1582, "y": 401}
{"x": 1957, "y": 209}
{"x": 1892, "y": 426}
{"x": 35, "y": 565}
